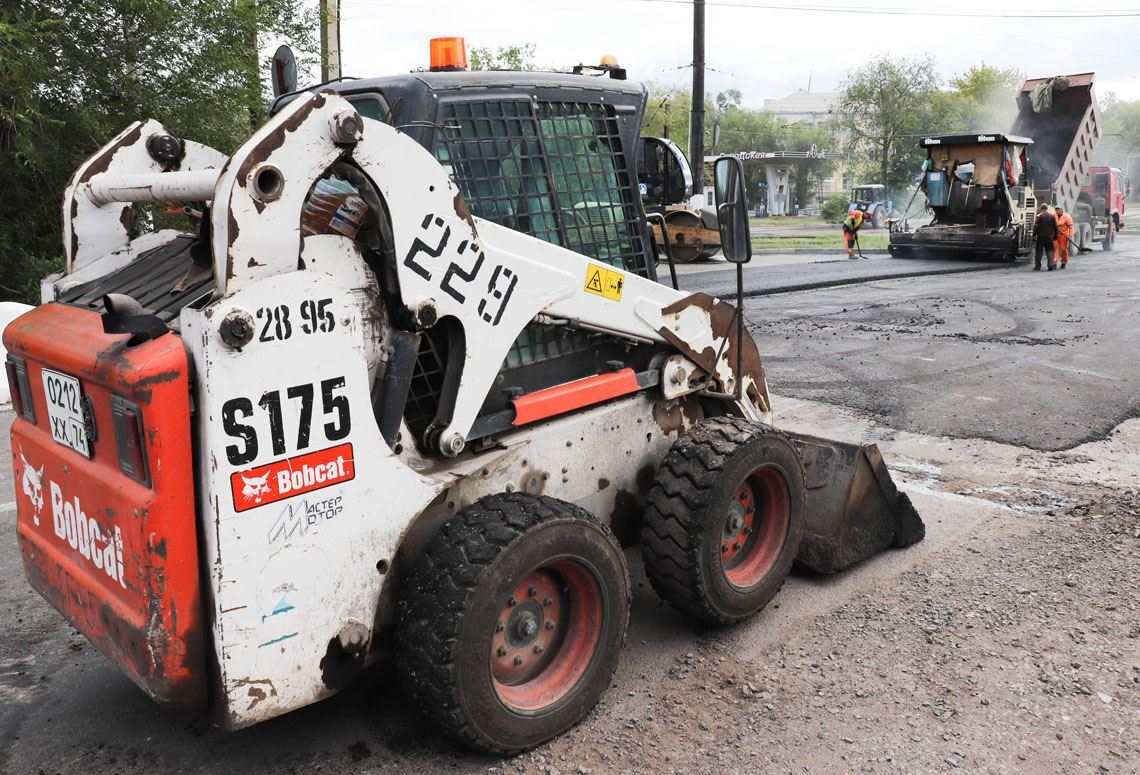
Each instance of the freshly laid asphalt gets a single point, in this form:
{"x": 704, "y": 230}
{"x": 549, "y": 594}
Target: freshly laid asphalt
{"x": 767, "y": 275}
{"x": 1045, "y": 360}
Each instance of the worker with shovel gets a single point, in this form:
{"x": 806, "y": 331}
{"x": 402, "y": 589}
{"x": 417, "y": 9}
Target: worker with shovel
{"x": 1065, "y": 232}
{"x": 851, "y": 225}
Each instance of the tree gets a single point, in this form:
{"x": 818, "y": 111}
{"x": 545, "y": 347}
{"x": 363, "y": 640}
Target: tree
{"x": 503, "y": 57}
{"x": 884, "y": 105}
{"x": 1120, "y": 140}
{"x": 73, "y": 73}
{"x": 982, "y": 99}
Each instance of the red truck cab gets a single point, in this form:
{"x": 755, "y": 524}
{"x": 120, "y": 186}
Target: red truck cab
{"x": 1106, "y": 188}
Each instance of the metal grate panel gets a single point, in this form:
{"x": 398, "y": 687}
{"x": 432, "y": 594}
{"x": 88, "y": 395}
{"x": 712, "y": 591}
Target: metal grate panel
{"x": 591, "y": 187}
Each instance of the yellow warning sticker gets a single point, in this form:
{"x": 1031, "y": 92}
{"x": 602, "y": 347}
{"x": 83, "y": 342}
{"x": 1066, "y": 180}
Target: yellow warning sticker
{"x": 604, "y": 282}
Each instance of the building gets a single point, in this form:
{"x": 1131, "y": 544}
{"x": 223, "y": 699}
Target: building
{"x": 805, "y": 107}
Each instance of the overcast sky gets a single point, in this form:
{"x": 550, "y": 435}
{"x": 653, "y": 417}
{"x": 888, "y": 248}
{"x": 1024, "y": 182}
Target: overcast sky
{"x": 763, "y": 52}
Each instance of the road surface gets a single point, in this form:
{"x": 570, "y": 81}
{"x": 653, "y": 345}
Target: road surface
{"x": 1005, "y": 642}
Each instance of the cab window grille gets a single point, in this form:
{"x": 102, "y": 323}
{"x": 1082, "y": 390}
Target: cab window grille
{"x": 590, "y": 182}
{"x": 493, "y": 152}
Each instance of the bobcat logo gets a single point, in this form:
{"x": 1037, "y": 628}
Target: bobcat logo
{"x": 33, "y": 485}
{"x": 255, "y": 487}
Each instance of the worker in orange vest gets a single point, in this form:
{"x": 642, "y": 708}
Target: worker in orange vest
{"x": 851, "y": 226}
{"x": 1065, "y": 232}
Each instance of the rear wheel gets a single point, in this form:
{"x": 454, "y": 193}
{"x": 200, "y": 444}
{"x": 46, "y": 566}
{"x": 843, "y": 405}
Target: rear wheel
{"x": 724, "y": 519}
{"x": 513, "y": 621}
{"x": 878, "y": 218}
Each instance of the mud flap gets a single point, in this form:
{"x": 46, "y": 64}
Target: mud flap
{"x": 854, "y": 509}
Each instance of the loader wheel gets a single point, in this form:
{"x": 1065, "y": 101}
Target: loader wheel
{"x": 512, "y": 622}
{"x": 724, "y": 519}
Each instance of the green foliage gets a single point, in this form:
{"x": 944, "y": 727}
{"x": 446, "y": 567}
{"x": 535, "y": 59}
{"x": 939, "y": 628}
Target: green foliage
{"x": 982, "y": 99}
{"x": 885, "y": 104}
{"x": 1120, "y": 140}
{"x": 503, "y": 57}
{"x": 74, "y": 73}
{"x": 835, "y": 208}
{"x": 741, "y": 129}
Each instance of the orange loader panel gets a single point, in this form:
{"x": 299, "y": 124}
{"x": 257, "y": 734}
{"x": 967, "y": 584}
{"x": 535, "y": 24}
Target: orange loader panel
{"x": 117, "y": 556}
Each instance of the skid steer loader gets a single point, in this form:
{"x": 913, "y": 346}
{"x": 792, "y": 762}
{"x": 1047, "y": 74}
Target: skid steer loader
{"x": 406, "y": 390}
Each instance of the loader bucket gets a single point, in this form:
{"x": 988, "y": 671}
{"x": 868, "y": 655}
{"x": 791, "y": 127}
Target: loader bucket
{"x": 854, "y": 510}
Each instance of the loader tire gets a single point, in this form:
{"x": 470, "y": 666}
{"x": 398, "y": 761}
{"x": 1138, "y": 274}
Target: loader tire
{"x": 724, "y": 519}
{"x": 512, "y": 621}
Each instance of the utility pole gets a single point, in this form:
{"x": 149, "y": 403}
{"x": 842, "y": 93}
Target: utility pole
{"x": 330, "y": 40}
{"x": 697, "y": 113}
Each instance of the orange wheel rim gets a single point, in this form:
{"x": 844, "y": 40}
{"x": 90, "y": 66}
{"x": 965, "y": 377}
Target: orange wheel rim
{"x": 755, "y": 527}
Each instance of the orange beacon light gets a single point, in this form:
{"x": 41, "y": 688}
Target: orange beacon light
{"x": 448, "y": 54}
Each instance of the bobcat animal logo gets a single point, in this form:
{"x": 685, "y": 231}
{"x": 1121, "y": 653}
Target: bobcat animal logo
{"x": 33, "y": 486}
{"x": 255, "y": 487}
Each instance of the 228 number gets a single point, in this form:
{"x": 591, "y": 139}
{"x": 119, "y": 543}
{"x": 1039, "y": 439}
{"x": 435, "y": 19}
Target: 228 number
{"x": 335, "y": 413}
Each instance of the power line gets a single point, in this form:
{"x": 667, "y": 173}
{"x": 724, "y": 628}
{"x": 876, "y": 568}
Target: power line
{"x": 1099, "y": 13}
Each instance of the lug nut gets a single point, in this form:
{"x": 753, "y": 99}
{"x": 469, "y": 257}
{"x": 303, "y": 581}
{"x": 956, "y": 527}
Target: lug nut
{"x": 500, "y": 627}
{"x": 550, "y": 624}
{"x": 747, "y": 530}
{"x": 538, "y": 649}
{"x": 723, "y": 548}
{"x": 502, "y": 651}
{"x": 511, "y": 602}
{"x": 735, "y": 545}
{"x": 532, "y": 591}
{"x": 547, "y": 601}
{"x": 518, "y": 660}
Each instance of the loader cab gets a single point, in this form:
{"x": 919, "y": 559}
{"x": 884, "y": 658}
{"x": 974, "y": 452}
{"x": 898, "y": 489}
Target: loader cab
{"x": 551, "y": 155}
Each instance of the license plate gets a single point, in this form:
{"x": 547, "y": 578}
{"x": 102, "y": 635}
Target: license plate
{"x": 65, "y": 411}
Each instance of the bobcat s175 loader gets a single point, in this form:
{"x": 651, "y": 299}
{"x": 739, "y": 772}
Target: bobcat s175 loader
{"x": 406, "y": 390}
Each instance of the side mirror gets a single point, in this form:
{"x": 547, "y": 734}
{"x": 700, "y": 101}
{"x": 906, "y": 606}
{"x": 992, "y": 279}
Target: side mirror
{"x": 732, "y": 209}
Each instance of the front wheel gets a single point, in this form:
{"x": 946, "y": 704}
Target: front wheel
{"x": 1110, "y": 238}
{"x": 724, "y": 519}
{"x": 513, "y": 621}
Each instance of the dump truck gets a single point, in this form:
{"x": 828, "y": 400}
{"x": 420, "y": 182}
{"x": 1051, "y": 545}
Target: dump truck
{"x": 1061, "y": 115}
{"x": 668, "y": 186}
{"x": 1102, "y": 198}
{"x": 401, "y": 394}
{"x": 974, "y": 187}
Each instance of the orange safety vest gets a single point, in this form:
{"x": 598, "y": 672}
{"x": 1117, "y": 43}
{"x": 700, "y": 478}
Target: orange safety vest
{"x": 1065, "y": 228}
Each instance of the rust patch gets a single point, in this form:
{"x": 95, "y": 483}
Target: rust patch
{"x": 101, "y": 162}
{"x": 125, "y": 216}
{"x": 275, "y": 139}
{"x": 668, "y": 416}
{"x": 256, "y": 690}
{"x": 603, "y": 483}
{"x": 254, "y": 262}
{"x": 722, "y": 320}
{"x": 231, "y": 237}
{"x": 464, "y": 212}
